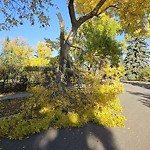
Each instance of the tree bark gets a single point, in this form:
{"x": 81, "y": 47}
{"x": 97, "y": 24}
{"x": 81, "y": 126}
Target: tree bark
{"x": 65, "y": 45}
{"x": 64, "y": 49}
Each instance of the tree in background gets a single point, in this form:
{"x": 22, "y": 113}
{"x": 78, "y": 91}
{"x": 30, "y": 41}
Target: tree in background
{"x": 137, "y": 58}
{"x": 40, "y": 56}
{"x": 40, "y": 59}
{"x": 17, "y": 56}
{"x": 14, "y": 53}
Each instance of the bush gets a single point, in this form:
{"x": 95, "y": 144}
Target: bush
{"x": 72, "y": 107}
{"x": 145, "y": 75}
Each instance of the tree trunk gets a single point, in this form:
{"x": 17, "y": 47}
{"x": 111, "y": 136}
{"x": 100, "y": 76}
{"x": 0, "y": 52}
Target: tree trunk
{"x": 64, "y": 49}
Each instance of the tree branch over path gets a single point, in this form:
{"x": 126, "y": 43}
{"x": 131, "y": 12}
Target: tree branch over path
{"x": 76, "y": 23}
{"x": 72, "y": 12}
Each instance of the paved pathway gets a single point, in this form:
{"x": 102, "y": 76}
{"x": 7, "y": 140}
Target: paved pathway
{"x": 13, "y": 96}
{"x": 136, "y": 135}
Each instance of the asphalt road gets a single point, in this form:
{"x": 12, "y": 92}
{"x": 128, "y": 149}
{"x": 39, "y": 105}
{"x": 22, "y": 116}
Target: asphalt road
{"x": 135, "y": 136}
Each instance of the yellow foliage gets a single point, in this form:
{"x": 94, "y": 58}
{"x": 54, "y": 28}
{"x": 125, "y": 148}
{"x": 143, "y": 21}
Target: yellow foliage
{"x": 16, "y": 51}
{"x": 133, "y": 14}
{"x": 94, "y": 102}
{"x": 86, "y": 6}
{"x": 73, "y": 117}
{"x": 44, "y": 110}
{"x": 147, "y": 35}
{"x": 19, "y": 53}
{"x": 43, "y": 56}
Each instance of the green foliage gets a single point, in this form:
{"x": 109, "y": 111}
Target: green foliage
{"x": 97, "y": 37}
{"x": 14, "y": 53}
{"x": 137, "y": 58}
{"x": 72, "y": 107}
{"x": 15, "y": 60}
{"x": 145, "y": 74}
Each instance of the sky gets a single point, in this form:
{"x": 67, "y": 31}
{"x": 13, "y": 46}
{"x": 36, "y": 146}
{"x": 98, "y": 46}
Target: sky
{"x": 33, "y": 34}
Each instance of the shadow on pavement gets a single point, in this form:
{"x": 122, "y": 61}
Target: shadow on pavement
{"x": 144, "y": 98}
{"x": 89, "y": 137}
{"x": 143, "y": 85}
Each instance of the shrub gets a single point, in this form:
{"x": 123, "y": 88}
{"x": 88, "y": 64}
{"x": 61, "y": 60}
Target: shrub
{"x": 145, "y": 74}
{"x": 73, "y": 107}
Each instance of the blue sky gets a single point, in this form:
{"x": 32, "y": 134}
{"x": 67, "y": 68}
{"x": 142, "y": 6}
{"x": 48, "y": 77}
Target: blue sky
{"x": 33, "y": 34}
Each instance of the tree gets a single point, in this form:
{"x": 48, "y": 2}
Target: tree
{"x": 85, "y": 13}
{"x": 14, "y": 12}
{"x": 41, "y": 57}
{"x": 14, "y": 53}
{"x": 137, "y": 58}
{"x": 64, "y": 107}
{"x": 17, "y": 56}
{"x": 98, "y": 39}
{"x": 133, "y": 16}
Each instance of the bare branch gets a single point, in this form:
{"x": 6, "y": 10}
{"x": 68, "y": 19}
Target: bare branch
{"x": 72, "y": 12}
{"x": 73, "y": 46}
{"x": 61, "y": 21}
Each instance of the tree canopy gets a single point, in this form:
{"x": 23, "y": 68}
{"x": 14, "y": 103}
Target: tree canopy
{"x": 14, "y": 12}
{"x": 133, "y": 15}
{"x": 137, "y": 58}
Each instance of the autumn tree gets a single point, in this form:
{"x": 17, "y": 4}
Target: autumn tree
{"x": 14, "y": 53}
{"x": 17, "y": 56}
{"x": 41, "y": 57}
{"x": 129, "y": 22}
{"x": 133, "y": 16}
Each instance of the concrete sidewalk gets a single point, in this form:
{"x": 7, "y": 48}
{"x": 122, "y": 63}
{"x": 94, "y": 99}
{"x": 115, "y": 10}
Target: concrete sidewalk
{"x": 136, "y": 135}
{"x": 13, "y": 96}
